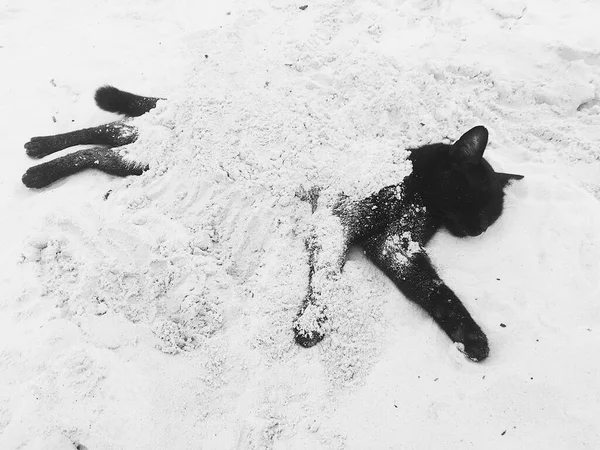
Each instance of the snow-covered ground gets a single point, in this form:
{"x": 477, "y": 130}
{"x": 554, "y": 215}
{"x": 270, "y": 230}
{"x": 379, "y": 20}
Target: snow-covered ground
{"x": 159, "y": 316}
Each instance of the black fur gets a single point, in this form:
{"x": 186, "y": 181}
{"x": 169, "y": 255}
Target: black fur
{"x": 115, "y": 134}
{"x": 111, "y": 99}
{"x": 450, "y": 186}
{"x": 109, "y": 136}
{"x": 105, "y": 159}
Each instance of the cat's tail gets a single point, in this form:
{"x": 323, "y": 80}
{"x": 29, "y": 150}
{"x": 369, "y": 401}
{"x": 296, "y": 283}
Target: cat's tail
{"x": 111, "y": 99}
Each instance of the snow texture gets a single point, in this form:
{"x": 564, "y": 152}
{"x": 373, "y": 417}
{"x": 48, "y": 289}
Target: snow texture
{"x": 156, "y": 311}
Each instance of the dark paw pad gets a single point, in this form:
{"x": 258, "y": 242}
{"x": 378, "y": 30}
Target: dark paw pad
{"x": 36, "y": 177}
{"x": 38, "y": 147}
{"x": 307, "y": 339}
{"x": 473, "y": 343}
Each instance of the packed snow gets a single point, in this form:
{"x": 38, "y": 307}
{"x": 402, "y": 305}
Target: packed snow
{"x": 156, "y": 312}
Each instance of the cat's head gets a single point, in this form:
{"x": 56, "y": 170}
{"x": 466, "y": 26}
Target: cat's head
{"x": 458, "y": 186}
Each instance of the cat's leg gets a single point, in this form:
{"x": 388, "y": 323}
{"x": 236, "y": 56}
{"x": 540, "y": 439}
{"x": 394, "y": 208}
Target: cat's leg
{"x": 334, "y": 232}
{"x": 114, "y": 134}
{"x": 408, "y": 266}
{"x": 105, "y": 159}
{"x": 327, "y": 247}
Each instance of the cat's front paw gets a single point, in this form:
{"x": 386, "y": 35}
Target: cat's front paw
{"x": 307, "y": 339}
{"x": 308, "y": 327}
{"x": 473, "y": 342}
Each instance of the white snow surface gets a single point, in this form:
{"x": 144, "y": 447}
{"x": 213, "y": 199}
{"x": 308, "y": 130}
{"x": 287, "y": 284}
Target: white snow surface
{"x": 160, "y": 317}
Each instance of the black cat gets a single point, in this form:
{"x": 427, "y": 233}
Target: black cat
{"x": 450, "y": 186}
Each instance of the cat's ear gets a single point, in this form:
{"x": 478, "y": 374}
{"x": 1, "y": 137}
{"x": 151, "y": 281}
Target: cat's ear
{"x": 504, "y": 178}
{"x": 471, "y": 145}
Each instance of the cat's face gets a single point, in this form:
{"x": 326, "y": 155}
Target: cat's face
{"x": 469, "y": 199}
{"x": 459, "y": 187}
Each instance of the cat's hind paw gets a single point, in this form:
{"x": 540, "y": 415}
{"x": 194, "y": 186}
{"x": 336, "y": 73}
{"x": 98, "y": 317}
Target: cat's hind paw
{"x": 38, "y": 147}
{"x": 37, "y": 177}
